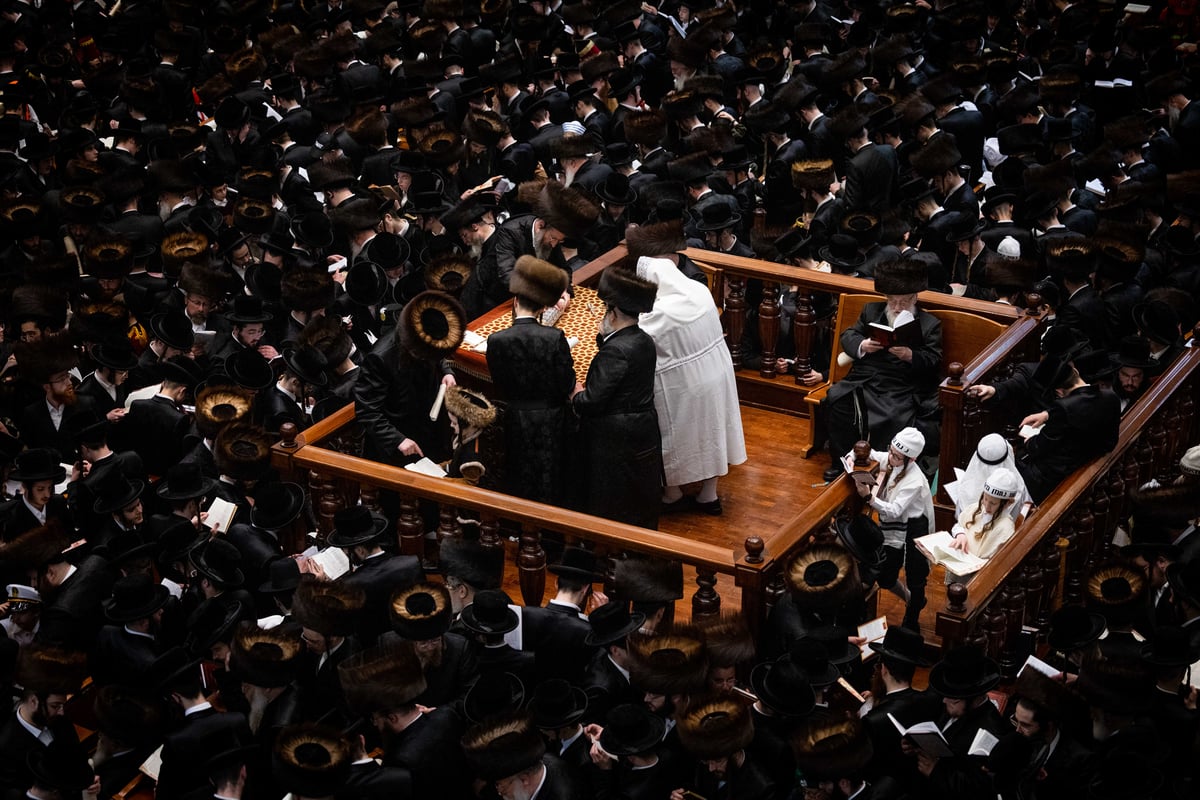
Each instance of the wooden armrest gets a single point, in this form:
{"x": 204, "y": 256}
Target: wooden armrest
{"x": 817, "y": 393}
{"x": 129, "y": 787}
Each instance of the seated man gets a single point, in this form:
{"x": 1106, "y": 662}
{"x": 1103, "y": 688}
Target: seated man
{"x": 887, "y": 389}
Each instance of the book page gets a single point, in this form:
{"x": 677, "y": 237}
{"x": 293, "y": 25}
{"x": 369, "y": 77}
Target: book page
{"x": 1027, "y": 432}
{"x": 220, "y": 514}
{"x": 426, "y": 467}
{"x": 872, "y": 631}
{"x": 152, "y": 765}
{"x": 1037, "y": 665}
{"x": 982, "y": 744}
{"x": 333, "y": 561}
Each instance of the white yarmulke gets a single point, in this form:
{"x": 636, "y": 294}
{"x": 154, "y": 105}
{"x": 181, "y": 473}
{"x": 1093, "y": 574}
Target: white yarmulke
{"x": 1001, "y": 484}
{"x": 909, "y": 442}
{"x": 992, "y": 449}
{"x": 1190, "y": 463}
{"x": 573, "y": 127}
{"x": 1009, "y": 248}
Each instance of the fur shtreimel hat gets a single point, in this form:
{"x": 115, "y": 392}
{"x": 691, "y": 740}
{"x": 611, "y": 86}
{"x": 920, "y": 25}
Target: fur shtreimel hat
{"x": 432, "y": 325}
{"x": 306, "y": 289}
{"x": 218, "y": 406}
{"x": 330, "y": 609}
{"x": 382, "y": 679}
{"x": 40, "y": 360}
{"x": 655, "y": 239}
{"x": 179, "y": 248}
{"x": 421, "y": 612}
{"x": 669, "y": 663}
{"x": 566, "y": 209}
{"x": 648, "y": 580}
{"x": 832, "y": 750}
{"x": 822, "y": 577}
{"x": 728, "y": 641}
{"x": 623, "y": 289}
{"x": 243, "y": 451}
{"x": 45, "y": 305}
{"x": 202, "y": 280}
{"x": 901, "y": 277}
{"x": 716, "y": 729}
{"x": 268, "y": 659}
{"x": 502, "y": 747}
{"x": 538, "y": 282}
{"x": 645, "y": 127}
{"x": 938, "y": 156}
{"x": 816, "y": 175}
{"x": 475, "y": 410}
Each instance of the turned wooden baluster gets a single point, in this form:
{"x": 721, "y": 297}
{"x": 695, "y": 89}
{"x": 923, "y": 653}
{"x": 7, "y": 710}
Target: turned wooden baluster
{"x": 1053, "y": 579}
{"x": 706, "y": 603}
{"x": 1013, "y": 606}
{"x": 326, "y": 501}
{"x": 410, "y": 528}
{"x": 776, "y": 589}
{"x": 368, "y": 496}
{"x": 735, "y": 314}
{"x": 531, "y": 566}
{"x": 768, "y": 327}
{"x": 1031, "y": 580}
{"x": 1085, "y": 526}
{"x": 804, "y": 328}
{"x": 448, "y": 525}
{"x": 489, "y": 530}
{"x": 994, "y": 627}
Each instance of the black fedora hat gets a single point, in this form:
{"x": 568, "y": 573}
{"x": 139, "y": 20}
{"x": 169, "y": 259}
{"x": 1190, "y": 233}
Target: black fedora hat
{"x": 308, "y": 364}
{"x": 366, "y": 283}
{"x": 863, "y": 537}
{"x": 177, "y": 537}
{"x": 812, "y": 657}
{"x": 172, "y": 329}
{"x": 783, "y": 686}
{"x": 86, "y": 427}
{"x": 718, "y": 217}
{"x": 181, "y": 369}
{"x": 115, "y": 491}
{"x": 489, "y": 614}
{"x": 355, "y": 526}
{"x": 578, "y": 564}
{"x": 610, "y": 623}
{"x": 902, "y": 644}
{"x": 492, "y": 695}
{"x": 963, "y": 673}
{"x": 116, "y": 355}
{"x": 842, "y": 251}
{"x": 616, "y": 190}
{"x": 557, "y": 704}
{"x": 246, "y": 309}
{"x": 185, "y": 482}
{"x": 218, "y": 560}
{"x": 283, "y": 575}
{"x": 276, "y": 505}
{"x": 38, "y": 464}
{"x": 630, "y": 729}
{"x": 135, "y": 597}
{"x": 248, "y": 369}
{"x": 1157, "y": 320}
{"x": 1074, "y": 627}
{"x": 60, "y": 766}
{"x": 214, "y": 621}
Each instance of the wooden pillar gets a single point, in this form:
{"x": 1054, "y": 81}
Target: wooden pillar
{"x": 803, "y": 332}
{"x": 410, "y": 529}
{"x": 531, "y": 566}
{"x": 753, "y": 584}
{"x": 735, "y": 314}
{"x": 489, "y": 531}
{"x": 768, "y": 327}
{"x": 448, "y": 523}
{"x": 706, "y": 603}
{"x": 326, "y": 501}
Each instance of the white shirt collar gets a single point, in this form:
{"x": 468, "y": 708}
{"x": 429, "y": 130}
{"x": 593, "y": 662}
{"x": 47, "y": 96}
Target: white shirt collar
{"x": 41, "y": 734}
{"x": 624, "y": 672}
{"x": 56, "y": 414}
{"x": 541, "y": 783}
{"x": 562, "y": 748}
{"x": 39, "y": 515}
{"x": 196, "y": 709}
{"x": 108, "y": 387}
{"x": 143, "y": 634}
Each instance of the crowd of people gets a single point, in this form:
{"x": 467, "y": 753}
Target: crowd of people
{"x": 220, "y": 220}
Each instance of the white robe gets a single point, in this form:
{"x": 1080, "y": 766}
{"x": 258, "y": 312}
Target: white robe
{"x": 695, "y": 392}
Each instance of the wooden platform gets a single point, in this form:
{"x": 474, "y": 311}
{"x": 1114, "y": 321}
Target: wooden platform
{"x": 759, "y": 496}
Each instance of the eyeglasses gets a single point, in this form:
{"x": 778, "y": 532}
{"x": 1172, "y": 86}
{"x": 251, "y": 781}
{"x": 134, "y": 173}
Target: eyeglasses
{"x": 1023, "y": 727}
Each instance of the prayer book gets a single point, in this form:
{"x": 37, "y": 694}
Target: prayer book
{"x": 905, "y": 333}
{"x": 936, "y": 547}
{"x": 220, "y": 515}
{"x": 426, "y": 467}
{"x": 982, "y": 744}
{"x": 872, "y": 631}
{"x": 927, "y": 736}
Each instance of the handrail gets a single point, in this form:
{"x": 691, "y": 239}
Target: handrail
{"x": 794, "y": 531}
{"x": 1055, "y": 508}
{"x": 994, "y": 354}
{"x": 537, "y": 515}
{"x": 843, "y": 284}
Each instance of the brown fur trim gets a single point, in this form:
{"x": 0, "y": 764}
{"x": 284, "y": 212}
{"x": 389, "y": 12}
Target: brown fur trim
{"x": 47, "y": 668}
{"x": 48, "y": 356}
{"x": 202, "y": 280}
{"x": 816, "y": 175}
{"x": 645, "y": 127}
{"x": 830, "y": 750}
{"x": 598, "y": 66}
{"x": 471, "y": 407}
{"x": 657, "y": 239}
{"x": 328, "y": 335}
{"x": 330, "y": 609}
{"x": 669, "y": 663}
{"x": 178, "y": 248}
{"x": 566, "y": 209}
{"x": 822, "y": 577}
{"x": 44, "y": 304}
{"x": 218, "y": 406}
{"x": 306, "y": 290}
{"x": 382, "y": 679}
{"x": 716, "y": 729}
{"x": 36, "y": 547}
{"x": 502, "y": 747}
{"x": 243, "y": 451}
{"x": 484, "y": 127}
{"x": 368, "y": 128}
{"x": 245, "y": 66}
{"x": 539, "y": 282}
{"x": 728, "y": 641}
{"x": 938, "y": 156}
{"x": 432, "y": 325}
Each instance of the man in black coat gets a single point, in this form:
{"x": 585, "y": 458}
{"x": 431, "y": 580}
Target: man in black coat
{"x": 606, "y": 679}
{"x": 73, "y": 614}
{"x": 872, "y": 171}
{"x": 127, "y": 648}
{"x": 399, "y": 382}
{"x": 557, "y": 632}
{"x": 622, "y": 442}
{"x": 46, "y": 363}
{"x": 359, "y": 533}
{"x": 717, "y": 734}
{"x": 39, "y": 718}
{"x": 38, "y": 471}
{"x": 1081, "y": 424}
{"x": 532, "y": 370}
{"x": 370, "y": 780}
{"x": 156, "y": 427}
{"x": 449, "y": 662}
{"x": 511, "y": 755}
{"x": 1070, "y": 260}
{"x": 202, "y": 733}
{"x": 106, "y": 386}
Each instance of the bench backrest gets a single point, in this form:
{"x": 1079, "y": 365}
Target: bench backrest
{"x": 964, "y": 335}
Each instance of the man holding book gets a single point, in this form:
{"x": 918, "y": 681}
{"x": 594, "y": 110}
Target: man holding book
{"x": 896, "y": 350}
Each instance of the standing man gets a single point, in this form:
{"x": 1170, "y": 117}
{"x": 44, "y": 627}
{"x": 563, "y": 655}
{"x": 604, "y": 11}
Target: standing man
{"x": 622, "y": 442}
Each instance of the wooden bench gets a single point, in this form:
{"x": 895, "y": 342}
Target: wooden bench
{"x": 964, "y": 336}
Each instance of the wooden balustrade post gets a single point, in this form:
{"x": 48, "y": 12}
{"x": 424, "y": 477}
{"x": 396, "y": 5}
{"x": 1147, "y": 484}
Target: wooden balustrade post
{"x": 768, "y": 327}
{"x": 706, "y": 603}
{"x": 368, "y": 496}
{"x": 955, "y": 433}
{"x": 753, "y": 585}
{"x": 325, "y": 501}
{"x": 410, "y": 528}
{"x": 531, "y": 566}
{"x": 489, "y": 531}
{"x": 803, "y": 332}
{"x": 735, "y": 315}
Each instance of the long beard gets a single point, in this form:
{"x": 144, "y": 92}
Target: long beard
{"x": 66, "y": 397}
{"x": 258, "y": 707}
{"x": 431, "y": 659}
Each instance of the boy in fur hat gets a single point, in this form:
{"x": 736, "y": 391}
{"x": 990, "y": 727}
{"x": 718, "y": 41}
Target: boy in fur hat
{"x": 532, "y": 370}
{"x": 471, "y": 414}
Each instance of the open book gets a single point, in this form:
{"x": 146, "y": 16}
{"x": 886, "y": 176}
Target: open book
{"x": 872, "y": 631}
{"x": 426, "y": 467}
{"x": 927, "y": 736}
{"x": 905, "y": 333}
{"x": 220, "y": 515}
{"x": 982, "y": 744}
{"x": 937, "y": 548}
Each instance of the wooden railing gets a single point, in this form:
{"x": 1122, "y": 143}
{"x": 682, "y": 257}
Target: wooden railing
{"x": 1044, "y": 565}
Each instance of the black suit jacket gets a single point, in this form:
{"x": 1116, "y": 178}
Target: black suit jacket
{"x": 155, "y": 429}
{"x": 370, "y": 781}
{"x": 749, "y": 782}
{"x": 872, "y": 176}
{"x": 555, "y": 634}
{"x": 1084, "y": 312}
{"x": 429, "y": 749}
{"x": 201, "y": 736}
{"x": 16, "y": 744}
{"x": 121, "y": 657}
{"x": 74, "y": 615}
{"x": 393, "y": 396}
{"x": 16, "y": 518}
{"x": 606, "y": 687}
{"x": 1081, "y": 426}
{"x": 379, "y": 577}
{"x": 38, "y": 431}
{"x": 102, "y": 401}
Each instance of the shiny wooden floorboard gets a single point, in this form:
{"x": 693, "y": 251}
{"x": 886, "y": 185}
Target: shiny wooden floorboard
{"x": 757, "y": 497}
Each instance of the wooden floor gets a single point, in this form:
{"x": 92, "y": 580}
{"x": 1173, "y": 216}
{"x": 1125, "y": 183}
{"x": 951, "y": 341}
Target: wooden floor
{"x": 757, "y": 497}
